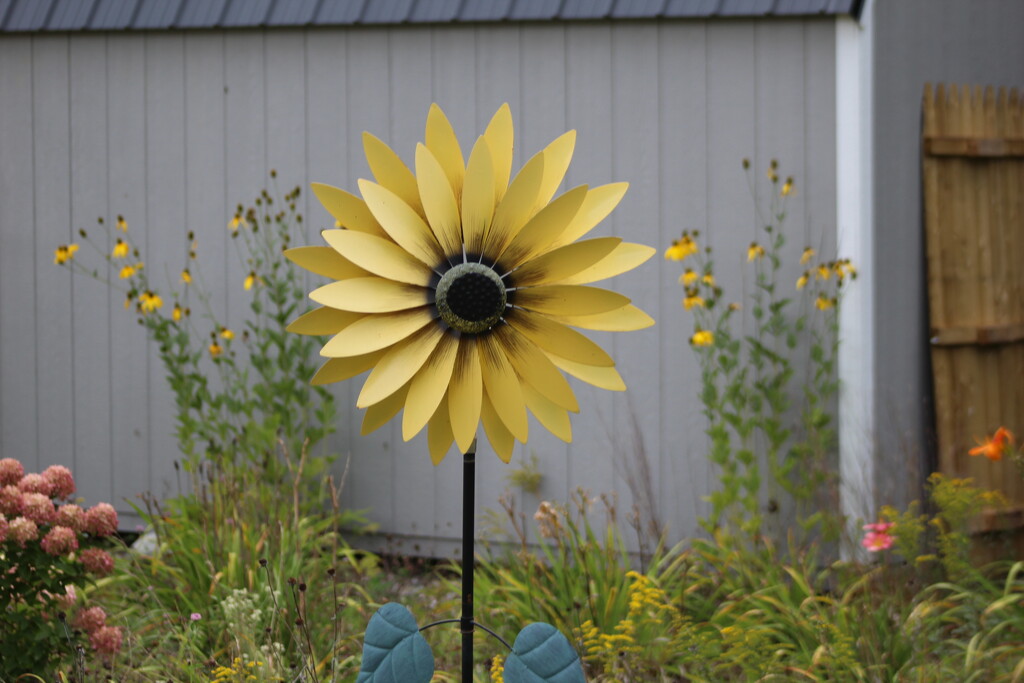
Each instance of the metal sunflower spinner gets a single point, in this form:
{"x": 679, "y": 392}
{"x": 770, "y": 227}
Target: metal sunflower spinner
{"x": 395, "y": 651}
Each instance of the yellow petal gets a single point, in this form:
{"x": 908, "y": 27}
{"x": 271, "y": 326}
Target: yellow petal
{"x": 557, "y": 338}
{"x": 338, "y": 369}
{"x": 377, "y": 255}
{"x": 557, "y": 156}
{"x": 324, "y": 261}
{"x": 535, "y": 368}
{"x": 347, "y": 209}
{"x": 391, "y": 172}
{"x": 553, "y": 417}
{"x": 567, "y": 300}
{"x": 599, "y": 203}
{"x": 623, "y": 319}
{"x": 439, "y": 203}
{"x": 500, "y": 136}
{"x": 441, "y": 140}
{"x": 398, "y": 365}
{"x": 602, "y": 377}
{"x": 375, "y": 332}
{"x": 541, "y": 231}
{"x": 370, "y": 295}
{"x": 428, "y": 387}
{"x": 624, "y": 257}
{"x": 404, "y": 225}
{"x": 380, "y": 413}
{"x": 562, "y": 263}
{"x": 478, "y": 197}
{"x": 321, "y": 321}
{"x": 500, "y": 437}
{"x": 515, "y": 208}
{"x": 502, "y": 387}
{"x": 439, "y": 433}
{"x": 465, "y": 393}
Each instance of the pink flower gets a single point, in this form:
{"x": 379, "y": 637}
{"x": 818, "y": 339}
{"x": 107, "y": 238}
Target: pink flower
{"x": 3, "y": 528}
{"x": 10, "y": 500}
{"x": 97, "y": 561}
{"x": 875, "y": 542}
{"x": 22, "y": 530}
{"x": 11, "y": 472}
{"x": 62, "y": 484}
{"x": 34, "y": 483}
{"x": 71, "y": 516}
{"x": 101, "y": 520}
{"x": 38, "y": 507}
{"x": 195, "y": 616}
{"x": 60, "y": 541}
{"x": 879, "y": 527}
{"x": 106, "y": 640}
{"x": 91, "y": 620}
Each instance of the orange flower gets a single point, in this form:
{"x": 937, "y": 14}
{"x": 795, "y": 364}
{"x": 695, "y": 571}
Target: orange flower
{"x": 994, "y": 448}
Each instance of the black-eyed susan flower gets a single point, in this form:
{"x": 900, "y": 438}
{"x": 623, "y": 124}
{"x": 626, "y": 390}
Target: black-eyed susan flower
{"x": 823, "y": 303}
{"x": 459, "y": 289}
{"x": 122, "y": 224}
{"x": 120, "y": 249}
{"x": 688, "y": 277}
{"x": 787, "y": 187}
{"x": 708, "y": 279}
{"x": 126, "y": 272}
{"x": 823, "y": 272}
{"x": 702, "y": 338}
{"x": 692, "y": 299}
{"x": 215, "y": 349}
{"x": 801, "y": 281}
{"x": 249, "y": 281}
{"x": 806, "y": 256}
{"x": 226, "y": 333}
{"x": 681, "y": 248}
{"x": 64, "y": 253}
{"x": 176, "y": 313}
{"x": 755, "y": 252}
{"x": 236, "y": 222}
{"x": 149, "y": 302}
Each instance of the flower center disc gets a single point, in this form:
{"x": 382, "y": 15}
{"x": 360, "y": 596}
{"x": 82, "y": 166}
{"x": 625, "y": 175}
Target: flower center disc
{"x": 471, "y": 297}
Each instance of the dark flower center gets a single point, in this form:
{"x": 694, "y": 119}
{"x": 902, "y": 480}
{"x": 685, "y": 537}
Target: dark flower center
{"x": 471, "y": 297}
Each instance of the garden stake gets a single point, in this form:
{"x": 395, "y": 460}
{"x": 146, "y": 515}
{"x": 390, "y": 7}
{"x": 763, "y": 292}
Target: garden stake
{"x": 468, "y": 530}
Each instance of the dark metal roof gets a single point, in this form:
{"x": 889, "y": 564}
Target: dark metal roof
{"x": 106, "y": 15}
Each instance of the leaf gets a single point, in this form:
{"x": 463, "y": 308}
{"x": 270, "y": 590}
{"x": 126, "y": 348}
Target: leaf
{"x": 394, "y": 651}
{"x": 541, "y": 654}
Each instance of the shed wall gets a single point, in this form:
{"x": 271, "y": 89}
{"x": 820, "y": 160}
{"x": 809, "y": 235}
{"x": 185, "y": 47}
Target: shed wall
{"x": 173, "y": 129}
{"x": 915, "y": 42}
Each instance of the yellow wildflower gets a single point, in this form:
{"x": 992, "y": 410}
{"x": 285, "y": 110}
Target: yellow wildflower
{"x": 186, "y": 277}
{"x": 787, "y": 187}
{"x": 806, "y": 256}
{"x": 709, "y": 280}
{"x": 823, "y": 272}
{"x": 149, "y": 302}
{"x": 498, "y": 669}
{"x": 122, "y": 224}
{"x": 126, "y": 272}
{"x": 227, "y": 334}
{"x": 801, "y": 281}
{"x": 215, "y": 349}
{"x": 702, "y": 338}
{"x": 681, "y": 248}
{"x": 250, "y": 279}
{"x": 127, "y": 301}
{"x": 64, "y": 253}
{"x": 176, "y": 313}
{"x": 692, "y": 300}
{"x": 120, "y": 249}
{"x": 237, "y": 221}
{"x": 772, "y": 175}
{"x": 688, "y": 277}
{"x": 823, "y": 303}
{"x": 754, "y": 251}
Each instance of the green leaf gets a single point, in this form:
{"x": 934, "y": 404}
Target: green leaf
{"x": 394, "y": 651}
{"x": 541, "y": 654}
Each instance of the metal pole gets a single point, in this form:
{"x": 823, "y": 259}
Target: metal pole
{"x": 468, "y": 532}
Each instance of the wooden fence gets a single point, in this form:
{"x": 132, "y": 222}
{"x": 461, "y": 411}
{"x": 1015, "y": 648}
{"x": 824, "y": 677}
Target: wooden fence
{"x": 973, "y": 170}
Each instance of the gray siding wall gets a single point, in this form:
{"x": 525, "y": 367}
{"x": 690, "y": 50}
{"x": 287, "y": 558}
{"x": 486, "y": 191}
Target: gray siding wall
{"x": 916, "y": 42}
{"x": 174, "y": 129}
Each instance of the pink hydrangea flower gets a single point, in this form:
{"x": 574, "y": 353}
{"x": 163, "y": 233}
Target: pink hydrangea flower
{"x": 62, "y": 484}
{"x": 101, "y": 519}
{"x": 60, "y": 541}
{"x": 3, "y": 528}
{"x": 71, "y": 516}
{"x": 11, "y": 472}
{"x": 22, "y": 530}
{"x": 106, "y": 640}
{"x": 91, "y": 620}
{"x": 10, "y": 500}
{"x": 38, "y": 507}
{"x": 97, "y": 561}
{"x": 34, "y": 483}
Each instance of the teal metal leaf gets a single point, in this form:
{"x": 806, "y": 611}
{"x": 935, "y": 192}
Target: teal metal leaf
{"x": 541, "y": 654}
{"x": 394, "y": 651}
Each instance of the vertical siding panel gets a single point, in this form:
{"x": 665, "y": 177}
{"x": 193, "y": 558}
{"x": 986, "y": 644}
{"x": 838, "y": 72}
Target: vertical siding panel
{"x": 636, "y": 111}
{"x": 21, "y": 254}
{"x": 818, "y": 193}
{"x": 328, "y": 139}
{"x": 91, "y": 313}
{"x": 55, "y": 411}
{"x": 130, "y": 354}
{"x": 410, "y": 85}
{"x": 368, "y": 105}
{"x": 589, "y": 109}
{"x": 286, "y": 106}
{"x": 453, "y": 67}
{"x": 685, "y": 471}
{"x": 165, "y": 221}
{"x": 542, "y": 118}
